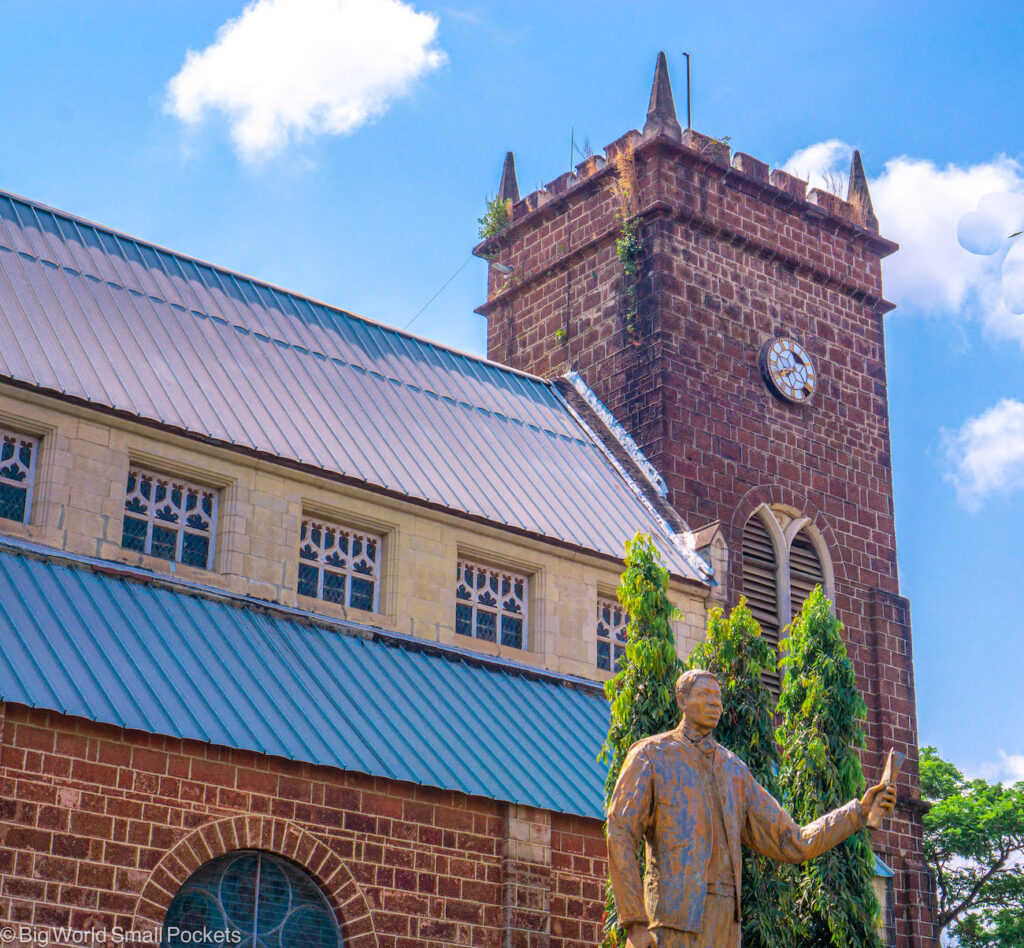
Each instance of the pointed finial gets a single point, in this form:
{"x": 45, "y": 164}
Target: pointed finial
{"x": 508, "y": 190}
{"x": 858, "y": 195}
{"x": 661, "y": 113}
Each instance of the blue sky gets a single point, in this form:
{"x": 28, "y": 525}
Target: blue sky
{"x": 345, "y": 150}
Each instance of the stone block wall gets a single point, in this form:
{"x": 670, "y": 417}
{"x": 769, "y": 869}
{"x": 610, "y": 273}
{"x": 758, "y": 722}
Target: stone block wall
{"x": 79, "y": 509}
{"x": 734, "y": 255}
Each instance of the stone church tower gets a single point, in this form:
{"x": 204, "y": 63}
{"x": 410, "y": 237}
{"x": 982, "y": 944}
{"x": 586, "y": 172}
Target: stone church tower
{"x": 732, "y": 321}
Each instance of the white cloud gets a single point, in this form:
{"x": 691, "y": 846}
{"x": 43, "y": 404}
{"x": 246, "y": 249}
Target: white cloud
{"x": 921, "y": 206}
{"x": 986, "y": 456}
{"x": 286, "y": 69}
{"x": 946, "y": 220}
{"x": 822, "y": 164}
{"x": 986, "y": 230}
{"x": 1008, "y": 769}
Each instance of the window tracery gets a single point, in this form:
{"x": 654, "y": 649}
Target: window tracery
{"x": 339, "y": 564}
{"x": 17, "y": 475}
{"x": 251, "y": 898}
{"x": 612, "y": 620}
{"x": 490, "y": 604}
{"x": 170, "y": 518}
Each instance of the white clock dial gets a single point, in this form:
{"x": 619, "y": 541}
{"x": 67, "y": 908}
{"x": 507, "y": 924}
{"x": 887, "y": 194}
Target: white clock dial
{"x": 788, "y": 370}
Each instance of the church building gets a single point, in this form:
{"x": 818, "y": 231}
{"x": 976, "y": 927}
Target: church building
{"x": 304, "y": 620}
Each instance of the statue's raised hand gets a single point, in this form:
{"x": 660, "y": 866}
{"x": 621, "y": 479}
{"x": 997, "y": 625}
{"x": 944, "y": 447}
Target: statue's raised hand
{"x": 882, "y": 799}
{"x": 879, "y": 801}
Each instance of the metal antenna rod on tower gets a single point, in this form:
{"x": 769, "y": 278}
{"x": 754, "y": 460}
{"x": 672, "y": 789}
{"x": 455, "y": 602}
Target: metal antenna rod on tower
{"x": 687, "y": 55}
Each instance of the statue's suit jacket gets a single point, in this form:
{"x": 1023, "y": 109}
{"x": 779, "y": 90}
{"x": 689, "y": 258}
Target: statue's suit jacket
{"x": 661, "y": 798}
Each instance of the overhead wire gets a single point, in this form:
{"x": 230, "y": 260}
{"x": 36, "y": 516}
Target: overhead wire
{"x": 438, "y": 293}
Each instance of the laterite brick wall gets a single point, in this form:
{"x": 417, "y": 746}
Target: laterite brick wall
{"x": 733, "y": 255}
{"x": 99, "y": 827}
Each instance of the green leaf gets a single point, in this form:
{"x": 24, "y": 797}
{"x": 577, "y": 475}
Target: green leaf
{"x": 974, "y": 846}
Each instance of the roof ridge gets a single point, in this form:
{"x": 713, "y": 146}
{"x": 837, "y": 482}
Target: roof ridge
{"x": 113, "y": 569}
{"x": 683, "y": 542}
{"x": 330, "y": 307}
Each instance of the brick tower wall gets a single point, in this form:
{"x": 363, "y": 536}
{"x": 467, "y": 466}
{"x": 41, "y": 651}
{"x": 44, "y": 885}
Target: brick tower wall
{"x": 734, "y": 255}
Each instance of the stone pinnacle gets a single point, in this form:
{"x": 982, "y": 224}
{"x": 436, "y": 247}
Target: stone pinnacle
{"x": 858, "y": 195}
{"x": 508, "y": 190}
{"x": 661, "y": 113}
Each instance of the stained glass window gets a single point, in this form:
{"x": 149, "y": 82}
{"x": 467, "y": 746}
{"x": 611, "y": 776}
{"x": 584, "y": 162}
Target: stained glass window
{"x": 339, "y": 564}
{"x": 611, "y": 632}
{"x": 170, "y": 518}
{"x": 17, "y": 475}
{"x": 490, "y": 604}
{"x": 251, "y": 900}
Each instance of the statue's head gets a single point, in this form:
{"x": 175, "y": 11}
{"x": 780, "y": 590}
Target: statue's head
{"x": 700, "y": 699}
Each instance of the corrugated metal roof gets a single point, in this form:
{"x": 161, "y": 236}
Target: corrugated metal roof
{"x": 105, "y": 318}
{"x": 155, "y": 659}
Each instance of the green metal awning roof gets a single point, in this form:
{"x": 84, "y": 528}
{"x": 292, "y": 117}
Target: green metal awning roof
{"x": 111, "y": 648}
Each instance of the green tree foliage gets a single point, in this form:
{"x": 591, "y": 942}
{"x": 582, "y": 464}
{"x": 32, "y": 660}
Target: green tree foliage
{"x": 642, "y": 693}
{"x": 822, "y": 713}
{"x": 496, "y": 217}
{"x": 974, "y": 844}
{"x": 737, "y": 654}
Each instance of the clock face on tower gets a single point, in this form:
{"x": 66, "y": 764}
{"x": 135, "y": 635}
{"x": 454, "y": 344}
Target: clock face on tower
{"x": 788, "y": 370}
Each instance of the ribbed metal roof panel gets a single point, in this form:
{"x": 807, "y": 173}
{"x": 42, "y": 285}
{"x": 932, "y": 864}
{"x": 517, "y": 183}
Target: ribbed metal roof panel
{"x": 156, "y": 659}
{"x": 102, "y": 317}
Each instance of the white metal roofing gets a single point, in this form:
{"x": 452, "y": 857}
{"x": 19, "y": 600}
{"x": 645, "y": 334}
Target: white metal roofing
{"x": 104, "y": 318}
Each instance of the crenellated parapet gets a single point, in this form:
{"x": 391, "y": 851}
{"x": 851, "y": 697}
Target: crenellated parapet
{"x": 698, "y": 179}
{"x": 738, "y": 171}
{"x": 745, "y": 187}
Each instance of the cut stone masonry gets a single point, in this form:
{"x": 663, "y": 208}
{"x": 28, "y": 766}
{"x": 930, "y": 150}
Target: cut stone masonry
{"x": 734, "y": 254}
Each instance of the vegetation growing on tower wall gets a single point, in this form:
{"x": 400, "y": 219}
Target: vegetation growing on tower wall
{"x": 496, "y": 217}
{"x": 629, "y": 242}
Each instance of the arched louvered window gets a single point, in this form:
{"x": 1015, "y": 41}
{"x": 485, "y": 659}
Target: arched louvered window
{"x": 782, "y": 563}
{"x": 249, "y": 898}
{"x": 761, "y": 577}
{"x": 805, "y": 571}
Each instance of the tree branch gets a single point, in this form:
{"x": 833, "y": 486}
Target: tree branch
{"x": 968, "y": 901}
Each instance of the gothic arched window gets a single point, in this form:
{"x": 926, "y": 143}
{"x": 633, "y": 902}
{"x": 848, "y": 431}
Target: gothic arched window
{"x": 761, "y": 576}
{"x": 257, "y": 900}
{"x": 784, "y": 558}
{"x": 805, "y": 571}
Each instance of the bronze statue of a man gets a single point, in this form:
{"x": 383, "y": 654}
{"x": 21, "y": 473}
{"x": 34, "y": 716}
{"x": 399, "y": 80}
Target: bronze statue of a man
{"x": 694, "y": 802}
